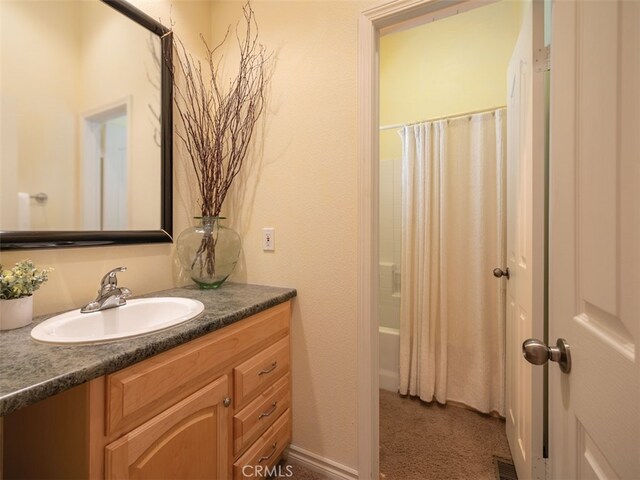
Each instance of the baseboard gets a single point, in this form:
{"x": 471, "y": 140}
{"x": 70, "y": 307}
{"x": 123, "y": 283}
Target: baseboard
{"x": 328, "y": 468}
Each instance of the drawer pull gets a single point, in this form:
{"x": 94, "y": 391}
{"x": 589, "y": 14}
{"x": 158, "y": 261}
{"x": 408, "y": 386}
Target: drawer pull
{"x": 267, "y": 457}
{"x": 269, "y": 412}
{"x": 268, "y": 370}
{"x": 227, "y": 401}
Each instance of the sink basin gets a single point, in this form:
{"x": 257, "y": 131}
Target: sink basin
{"x": 137, "y": 317}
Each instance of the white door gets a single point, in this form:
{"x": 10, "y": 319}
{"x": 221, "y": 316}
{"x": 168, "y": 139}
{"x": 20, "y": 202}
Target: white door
{"x": 114, "y": 174}
{"x": 525, "y": 246}
{"x": 594, "y": 243}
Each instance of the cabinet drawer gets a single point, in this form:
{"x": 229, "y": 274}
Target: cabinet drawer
{"x": 260, "y": 371}
{"x": 143, "y": 390}
{"x": 261, "y": 413}
{"x": 265, "y": 451}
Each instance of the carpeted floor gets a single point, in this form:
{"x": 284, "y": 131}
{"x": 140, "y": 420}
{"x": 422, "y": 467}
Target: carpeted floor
{"x": 297, "y": 472}
{"x": 420, "y": 441}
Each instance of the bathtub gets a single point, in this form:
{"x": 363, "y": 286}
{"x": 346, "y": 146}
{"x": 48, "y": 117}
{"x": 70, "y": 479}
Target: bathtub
{"x": 389, "y": 318}
{"x": 389, "y": 358}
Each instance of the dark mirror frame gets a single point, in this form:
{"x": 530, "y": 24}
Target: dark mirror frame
{"x": 13, "y": 240}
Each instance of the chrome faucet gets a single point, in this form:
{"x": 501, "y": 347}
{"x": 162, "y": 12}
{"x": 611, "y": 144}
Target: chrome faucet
{"x": 109, "y": 294}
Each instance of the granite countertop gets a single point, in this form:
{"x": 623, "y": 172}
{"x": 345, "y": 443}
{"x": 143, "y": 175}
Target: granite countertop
{"x": 32, "y": 371}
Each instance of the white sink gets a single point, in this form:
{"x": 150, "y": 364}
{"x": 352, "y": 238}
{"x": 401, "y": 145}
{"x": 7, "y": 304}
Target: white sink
{"x": 137, "y": 317}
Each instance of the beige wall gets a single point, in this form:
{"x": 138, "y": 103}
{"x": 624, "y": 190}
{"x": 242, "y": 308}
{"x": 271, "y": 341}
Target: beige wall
{"x": 151, "y": 267}
{"x": 41, "y": 102}
{"x": 308, "y": 193}
{"x": 83, "y": 57}
{"x": 116, "y": 65}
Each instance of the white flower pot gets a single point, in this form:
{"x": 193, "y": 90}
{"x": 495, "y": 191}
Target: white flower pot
{"x": 16, "y": 313}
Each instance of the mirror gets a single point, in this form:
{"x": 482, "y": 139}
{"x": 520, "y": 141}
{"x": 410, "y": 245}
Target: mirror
{"x": 86, "y": 119}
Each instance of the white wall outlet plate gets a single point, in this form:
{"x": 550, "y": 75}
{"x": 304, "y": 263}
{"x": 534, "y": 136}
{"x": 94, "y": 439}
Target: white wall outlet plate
{"x": 268, "y": 239}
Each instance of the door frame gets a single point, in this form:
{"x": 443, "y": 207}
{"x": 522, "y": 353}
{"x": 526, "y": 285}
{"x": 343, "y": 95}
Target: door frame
{"x": 90, "y": 147}
{"x": 372, "y": 23}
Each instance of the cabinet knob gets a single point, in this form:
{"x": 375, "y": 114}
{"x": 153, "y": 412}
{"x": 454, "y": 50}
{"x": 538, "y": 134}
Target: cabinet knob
{"x": 227, "y": 401}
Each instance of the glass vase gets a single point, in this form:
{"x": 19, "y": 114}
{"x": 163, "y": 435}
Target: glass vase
{"x": 209, "y": 252}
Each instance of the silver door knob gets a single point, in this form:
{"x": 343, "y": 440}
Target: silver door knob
{"x": 537, "y": 353}
{"x": 498, "y": 272}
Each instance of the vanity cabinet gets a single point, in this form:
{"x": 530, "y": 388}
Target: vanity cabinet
{"x": 188, "y": 440}
{"x": 217, "y": 407}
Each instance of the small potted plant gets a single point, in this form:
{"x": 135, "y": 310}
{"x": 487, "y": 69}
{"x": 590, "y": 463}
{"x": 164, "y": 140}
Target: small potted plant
{"x": 16, "y": 293}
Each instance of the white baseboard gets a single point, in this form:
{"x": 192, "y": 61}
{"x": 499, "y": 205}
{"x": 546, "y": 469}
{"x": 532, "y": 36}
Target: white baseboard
{"x": 328, "y": 468}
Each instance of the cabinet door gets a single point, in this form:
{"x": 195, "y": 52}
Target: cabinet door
{"x": 187, "y": 441}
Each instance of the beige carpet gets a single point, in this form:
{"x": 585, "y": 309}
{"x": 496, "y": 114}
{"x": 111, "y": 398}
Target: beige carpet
{"x": 420, "y": 441}
{"x": 297, "y": 472}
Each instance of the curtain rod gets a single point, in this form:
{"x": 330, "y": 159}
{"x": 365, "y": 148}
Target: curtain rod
{"x": 449, "y": 117}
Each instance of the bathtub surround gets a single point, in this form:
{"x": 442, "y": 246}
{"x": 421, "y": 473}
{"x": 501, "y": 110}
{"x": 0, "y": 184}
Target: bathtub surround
{"x": 389, "y": 236}
{"x": 452, "y": 310}
{"x": 389, "y": 358}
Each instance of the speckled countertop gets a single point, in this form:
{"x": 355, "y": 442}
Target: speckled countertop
{"x": 32, "y": 371}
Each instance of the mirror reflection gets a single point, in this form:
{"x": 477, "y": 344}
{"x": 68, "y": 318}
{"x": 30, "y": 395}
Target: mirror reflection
{"x": 80, "y": 105}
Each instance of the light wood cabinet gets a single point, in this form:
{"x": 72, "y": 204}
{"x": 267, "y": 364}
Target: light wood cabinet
{"x": 204, "y": 409}
{"x": 188, "y": 440}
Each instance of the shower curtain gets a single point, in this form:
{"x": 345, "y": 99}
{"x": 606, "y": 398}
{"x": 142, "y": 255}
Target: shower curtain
{"x": 452, "y": 310}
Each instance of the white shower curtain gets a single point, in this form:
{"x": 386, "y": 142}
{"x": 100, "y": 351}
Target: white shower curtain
{"x": 452, "y": 309}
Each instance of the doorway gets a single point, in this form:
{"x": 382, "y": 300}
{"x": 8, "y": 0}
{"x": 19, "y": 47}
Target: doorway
{"x": 374, "y": 25}
{"x": 443, "y": 91}
{"x": 105, "y": 168}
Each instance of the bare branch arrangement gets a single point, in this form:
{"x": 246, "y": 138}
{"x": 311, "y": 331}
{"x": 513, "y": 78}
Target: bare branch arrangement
{"x": 218, "y": 120}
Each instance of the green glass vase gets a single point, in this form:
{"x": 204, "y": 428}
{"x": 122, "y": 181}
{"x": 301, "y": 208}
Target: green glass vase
{"x": 209, "y": 252}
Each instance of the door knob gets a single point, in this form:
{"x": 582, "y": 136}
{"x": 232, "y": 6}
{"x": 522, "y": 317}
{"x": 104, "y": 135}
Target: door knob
{"x": 498, "y": 272}
{"x": 537, "y": 353}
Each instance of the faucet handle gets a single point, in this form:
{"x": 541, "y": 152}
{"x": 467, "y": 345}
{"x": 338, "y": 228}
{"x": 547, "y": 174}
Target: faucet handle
{"x": 110, "y": 281}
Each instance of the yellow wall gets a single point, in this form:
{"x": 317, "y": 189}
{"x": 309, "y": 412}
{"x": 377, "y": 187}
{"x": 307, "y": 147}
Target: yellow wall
{"x": 454, "y": 65}
{"x": 151, "y": 267}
